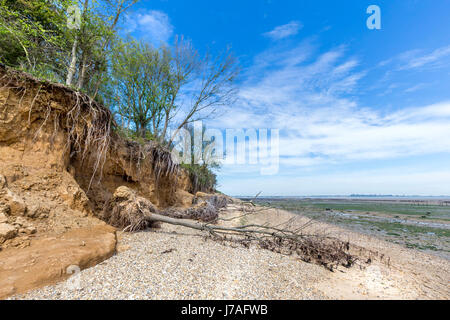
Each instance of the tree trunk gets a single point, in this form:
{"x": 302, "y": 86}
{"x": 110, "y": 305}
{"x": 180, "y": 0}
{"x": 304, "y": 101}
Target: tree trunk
{"x": 82, "y": 74}
{"x": 142, "y": 130}
{"x": 71, "y": 71}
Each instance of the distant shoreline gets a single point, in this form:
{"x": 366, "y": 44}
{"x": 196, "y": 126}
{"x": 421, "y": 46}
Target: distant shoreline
{"x": 351, "y": 197}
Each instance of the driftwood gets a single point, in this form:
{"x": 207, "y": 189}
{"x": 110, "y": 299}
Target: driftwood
{"x": 326, "y": 251}
{"x": 131, "y": 212}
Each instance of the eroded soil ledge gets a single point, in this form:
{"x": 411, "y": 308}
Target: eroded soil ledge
{"x": 60, "y": 162}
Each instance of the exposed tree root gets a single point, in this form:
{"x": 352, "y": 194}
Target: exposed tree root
{"x": 132, "y": 213}
{"x": 325, "y": 251}
{"x": 88, "y": 124}
{"x": 128, "y": 211}
{"x": 89, "y": 127}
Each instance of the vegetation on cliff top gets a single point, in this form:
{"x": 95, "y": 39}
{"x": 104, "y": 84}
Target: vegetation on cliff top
{"x": 151, "y": 92}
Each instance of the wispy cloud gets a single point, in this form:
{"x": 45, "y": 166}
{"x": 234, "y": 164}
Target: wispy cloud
{"x": 378, "y": 181}
{"x": 417, "y": 59}
{"x": 310, "y": 100}
{"x": 153, "y": 26}
{"x": 342, "y": 135}
{"x": 284, "y": 31}
{"x": 416, "y": 87}
{"x": 431, "y": 59}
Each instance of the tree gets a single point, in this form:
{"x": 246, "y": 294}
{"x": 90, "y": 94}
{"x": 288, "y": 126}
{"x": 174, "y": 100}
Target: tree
{"x": 33, "y": 35}
{"x": 144, "y": 85}
{"x": 73, "y": 61}
{"x": 209, "y": 84}
{"x": 119, "y": 7}
{"x": 201, "y": 163}
{"x": 170, "y": 87}
{"x": 97, "y": 31}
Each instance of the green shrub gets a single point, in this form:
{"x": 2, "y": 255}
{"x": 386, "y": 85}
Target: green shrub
{"x": 202, "y": 178}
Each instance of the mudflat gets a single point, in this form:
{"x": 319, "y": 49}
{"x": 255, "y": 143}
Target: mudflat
{"x": 178, "y": 263}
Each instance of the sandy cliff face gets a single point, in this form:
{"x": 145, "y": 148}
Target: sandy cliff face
{"x": 38, "y": 191}
{"x": 60, "y": 161}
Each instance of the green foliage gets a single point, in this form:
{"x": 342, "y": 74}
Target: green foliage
{"x": 144, "y": 85}
{"x": 146, "y": 88}
{"x": 153, "y": 87}
{"x": 202, "y": 163}
{"x": 34, "y": 36}
{"x": 130, "y": 134}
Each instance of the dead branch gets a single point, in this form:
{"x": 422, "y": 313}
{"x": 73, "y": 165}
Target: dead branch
{"x": 131, "y": 212}
{"x": 326, "y": 251}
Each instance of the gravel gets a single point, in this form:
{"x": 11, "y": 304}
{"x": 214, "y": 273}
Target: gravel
{"x": 177, "y": 263}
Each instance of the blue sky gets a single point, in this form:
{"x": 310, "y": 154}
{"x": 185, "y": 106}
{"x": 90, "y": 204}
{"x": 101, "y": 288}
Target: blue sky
{"x": 358, "y": 110}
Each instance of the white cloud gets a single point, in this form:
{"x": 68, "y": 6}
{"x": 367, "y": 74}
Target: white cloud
{"x": 284, "y": 31}
{"x": 308, "y": 101}
{"x": 416, "y": 87}
{"x": 349, "y": 134}
{"x": 153, "y": 25}
{"x": 396, "y": 182}
{"x": 416, "y": 59}
{"x": 428, "y": 59}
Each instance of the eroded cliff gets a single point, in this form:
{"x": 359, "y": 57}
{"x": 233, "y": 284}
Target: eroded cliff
{"x": 60, "y": 162}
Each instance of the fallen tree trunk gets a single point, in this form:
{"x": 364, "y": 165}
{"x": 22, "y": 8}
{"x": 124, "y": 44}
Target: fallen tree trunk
{"x": 326, "y": 251}
{"x": 154, "y": 217}
{"x": 215, "y": 229}
{"x": 131, "y": 212}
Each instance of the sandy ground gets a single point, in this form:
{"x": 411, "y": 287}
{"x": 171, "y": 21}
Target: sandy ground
{"x": 49, "y": 259}
{"x": 177, "y": 263}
